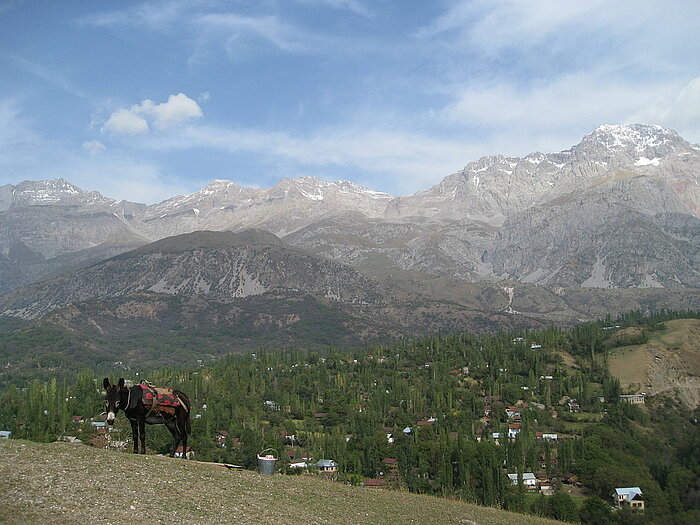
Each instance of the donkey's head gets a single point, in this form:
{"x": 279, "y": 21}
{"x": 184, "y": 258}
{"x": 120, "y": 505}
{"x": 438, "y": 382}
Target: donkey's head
{"x": 114, "y": 398}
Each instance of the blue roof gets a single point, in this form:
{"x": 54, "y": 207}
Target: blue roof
{"x": 629, "y": 492}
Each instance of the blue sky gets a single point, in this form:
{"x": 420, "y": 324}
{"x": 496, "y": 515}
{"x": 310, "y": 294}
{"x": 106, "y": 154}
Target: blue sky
{"x": 145, "y": 100}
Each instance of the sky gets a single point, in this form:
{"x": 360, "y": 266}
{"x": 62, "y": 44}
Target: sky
{"x": 146, "y": 100}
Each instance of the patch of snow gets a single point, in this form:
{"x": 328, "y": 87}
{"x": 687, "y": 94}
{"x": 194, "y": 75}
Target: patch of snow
{"x": 475, "y": 180}
{"x": 196, "y": 212}
{"x": 643, "y": 161}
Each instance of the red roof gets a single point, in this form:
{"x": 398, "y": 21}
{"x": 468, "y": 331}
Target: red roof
{"x": 390, "y": 461}
{"x": 373, "y": 482}
{"x": 515, "y": 425}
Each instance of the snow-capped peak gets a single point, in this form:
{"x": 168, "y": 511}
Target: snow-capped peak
{"x": 42, "y": 192}
{"x": 617, "y": 137}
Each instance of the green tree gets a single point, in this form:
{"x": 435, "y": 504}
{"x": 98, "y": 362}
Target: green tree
{"x": 560, "y": 506}
{"x": 595, "y": 511}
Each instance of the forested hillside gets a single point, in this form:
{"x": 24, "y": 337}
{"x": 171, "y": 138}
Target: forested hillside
{"x": 445, "y": 415}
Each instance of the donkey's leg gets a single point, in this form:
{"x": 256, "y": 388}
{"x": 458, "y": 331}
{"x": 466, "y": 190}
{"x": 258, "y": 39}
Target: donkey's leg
{"x": 183, "y": 435}
{"x": 142, "y": 434}
{"x": 171, "y": 424}
{"x": 135, "y": 434}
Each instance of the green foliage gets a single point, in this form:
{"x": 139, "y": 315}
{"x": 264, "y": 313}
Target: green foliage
{"x": 260, "y": 397}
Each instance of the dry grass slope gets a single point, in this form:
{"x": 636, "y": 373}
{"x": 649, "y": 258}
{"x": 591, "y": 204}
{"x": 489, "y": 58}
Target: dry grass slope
{"x": 669, "y": 361}
{"x": 63, "y": 483}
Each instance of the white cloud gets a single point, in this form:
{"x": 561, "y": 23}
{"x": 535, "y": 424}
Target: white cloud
{"x": 121, "y": 177}
{"x": 127, "y": 122}
{"x": 355, "y": 6}
{"x": 581, "y": 98}
{"x": 409, "y": 160}
{"x": 679, "y": 110}
{"x": 496, "y": 24}
{"x": 235, "y": 27}
{"x": 93, "y": 147}
{"x": 179, "y": 108}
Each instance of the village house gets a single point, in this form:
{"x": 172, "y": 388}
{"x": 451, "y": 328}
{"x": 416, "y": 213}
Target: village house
{"x": 373, "y": 483}
{"x": 514, "y": 430}
{"x": 570, "y": 479}
{"x": 5, "y": 434}
{"x": 513, "y": 412}
{"x": 546, "y": 436}
{"x": 288, "y": 438}
{"x": 271, "y": 405}
{"x": 631, "y": 496}
{"x": 547, "y": 489}
{"x": 633, "y": 399}
{"x": 573, "y": 405}
{"x": 327, "y": 466}
{"x": 189, "y": 453}
{"x": 529, "y": 479}
{"x": 222, "y": 437}
{"x": 392, "y": 465}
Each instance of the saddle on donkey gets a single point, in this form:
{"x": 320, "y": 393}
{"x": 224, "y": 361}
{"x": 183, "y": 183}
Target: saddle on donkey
{"x": 157, "y": 399}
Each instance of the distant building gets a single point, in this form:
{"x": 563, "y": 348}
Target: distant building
{"x": 514, "y": 430}
{"x": 373, "y": 483}
{"x": 529, "y": 479}
{"x": 633, "y": 399}
{"x": 5, "y": 434}
{"x": 327, "y": 466}
{"x": 631, "y": 496}
{"x": 189, "y": 453}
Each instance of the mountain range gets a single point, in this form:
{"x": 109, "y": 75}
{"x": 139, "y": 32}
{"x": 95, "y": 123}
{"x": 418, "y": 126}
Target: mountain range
{"x": 608, "y": 225}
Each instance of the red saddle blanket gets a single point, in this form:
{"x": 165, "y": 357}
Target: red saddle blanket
{"x": 159, "y": 397}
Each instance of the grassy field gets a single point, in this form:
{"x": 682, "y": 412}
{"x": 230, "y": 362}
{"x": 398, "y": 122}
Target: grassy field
{"x": 67, "y": 483}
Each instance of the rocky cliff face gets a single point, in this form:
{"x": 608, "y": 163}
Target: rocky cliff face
{"x": 218, "y": 265}
{"x": 619, "y": 209}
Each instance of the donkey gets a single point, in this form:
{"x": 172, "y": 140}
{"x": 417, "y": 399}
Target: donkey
{"x": 131, "y": 401}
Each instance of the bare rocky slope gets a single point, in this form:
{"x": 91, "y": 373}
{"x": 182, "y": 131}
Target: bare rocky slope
{"x": 231, "y": 291}
{"x": 619, "y": 210}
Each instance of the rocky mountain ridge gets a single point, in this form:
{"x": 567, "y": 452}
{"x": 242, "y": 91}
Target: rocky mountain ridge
{"x": 620, "y": 209}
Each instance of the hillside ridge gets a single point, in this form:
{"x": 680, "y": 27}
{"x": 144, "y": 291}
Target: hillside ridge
{"x": 65, "y": 483}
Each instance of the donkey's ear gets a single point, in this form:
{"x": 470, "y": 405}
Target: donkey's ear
{"x": 105, "y": 383}
{"x": 121, "y": 382}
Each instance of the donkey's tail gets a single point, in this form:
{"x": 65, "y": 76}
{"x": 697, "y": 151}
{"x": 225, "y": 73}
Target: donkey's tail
{"x": 186, "y": 403}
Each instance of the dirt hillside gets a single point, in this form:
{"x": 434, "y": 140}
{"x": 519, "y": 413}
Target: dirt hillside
{"x": 669, "y": 361}
{"x": 68, "y": 483}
